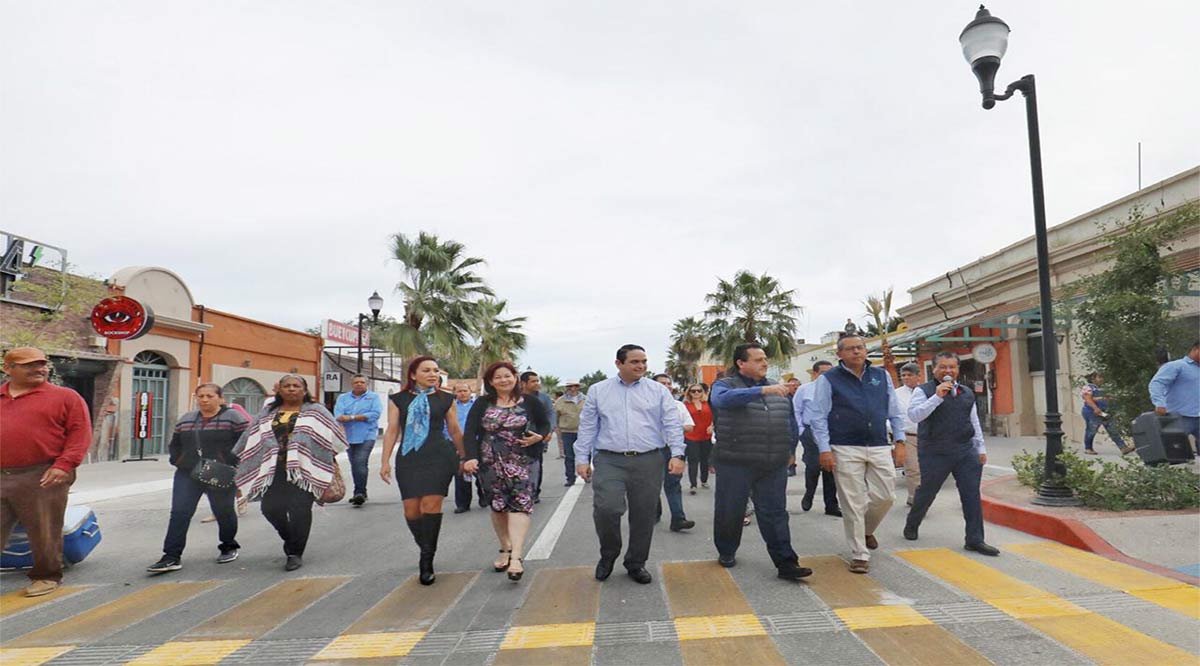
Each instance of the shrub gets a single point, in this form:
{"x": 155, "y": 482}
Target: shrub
{"x": 1116, "y": 486}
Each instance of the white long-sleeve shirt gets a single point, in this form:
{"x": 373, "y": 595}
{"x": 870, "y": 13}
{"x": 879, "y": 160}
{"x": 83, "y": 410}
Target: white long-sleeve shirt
{"x": 921, "y": 406}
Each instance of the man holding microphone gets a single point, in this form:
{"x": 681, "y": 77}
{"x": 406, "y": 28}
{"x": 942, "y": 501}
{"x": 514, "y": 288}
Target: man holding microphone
{"x": 951, "y": 443}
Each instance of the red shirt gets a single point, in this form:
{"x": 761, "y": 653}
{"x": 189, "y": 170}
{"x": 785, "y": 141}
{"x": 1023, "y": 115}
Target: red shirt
{"x": 703, "y": 419}
{"x": 49, "y": 424}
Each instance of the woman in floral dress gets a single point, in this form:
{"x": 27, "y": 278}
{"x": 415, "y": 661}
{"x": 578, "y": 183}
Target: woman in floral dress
{"x": 506, "y": 433}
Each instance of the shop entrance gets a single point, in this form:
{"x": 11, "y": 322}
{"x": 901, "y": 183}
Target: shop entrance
{"x": 151, "y": 373}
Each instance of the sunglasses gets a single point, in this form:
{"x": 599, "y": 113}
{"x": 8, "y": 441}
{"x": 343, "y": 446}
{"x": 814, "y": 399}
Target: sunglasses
{"x": 696, "y": 391}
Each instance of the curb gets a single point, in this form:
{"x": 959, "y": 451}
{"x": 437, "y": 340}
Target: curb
{"x": 1068, "y": 531}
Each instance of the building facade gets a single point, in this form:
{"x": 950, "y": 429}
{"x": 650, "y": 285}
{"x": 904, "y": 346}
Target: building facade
{"x": 987, "y": 311}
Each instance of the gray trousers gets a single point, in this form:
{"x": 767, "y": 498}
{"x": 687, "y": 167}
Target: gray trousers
{"x": 626, "y": 481}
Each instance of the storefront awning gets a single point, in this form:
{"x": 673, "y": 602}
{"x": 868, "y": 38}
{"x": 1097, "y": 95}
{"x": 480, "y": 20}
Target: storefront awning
{"x": 910, "y": 338}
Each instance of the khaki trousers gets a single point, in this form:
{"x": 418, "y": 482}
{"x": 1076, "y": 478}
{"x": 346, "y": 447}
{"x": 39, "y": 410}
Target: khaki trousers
{"x": 912, "y": 468}
{"x": 866, "y": 478}
{"x": 40, "y": 510}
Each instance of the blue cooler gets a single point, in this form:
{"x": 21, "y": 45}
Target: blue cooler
{"x": 81, "y": 533}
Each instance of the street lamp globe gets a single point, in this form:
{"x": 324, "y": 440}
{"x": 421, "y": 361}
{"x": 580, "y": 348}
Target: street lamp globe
{"x": 375, "y": 302}
{"x": 984, "y": 42}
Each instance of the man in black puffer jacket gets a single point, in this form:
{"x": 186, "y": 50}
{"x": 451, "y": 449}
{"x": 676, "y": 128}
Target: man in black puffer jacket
{"x": 756, "y": 435}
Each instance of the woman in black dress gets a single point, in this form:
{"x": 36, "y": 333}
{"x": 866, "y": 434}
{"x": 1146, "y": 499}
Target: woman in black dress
{"x": 506, "y": 434}
{"x": 427, "y": 461}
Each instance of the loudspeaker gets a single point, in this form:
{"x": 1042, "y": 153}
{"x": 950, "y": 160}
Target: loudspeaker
{"x": 1161, "y": 440}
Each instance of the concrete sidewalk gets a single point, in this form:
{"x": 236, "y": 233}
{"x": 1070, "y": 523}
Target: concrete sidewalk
{"x": 1166, "y": 539}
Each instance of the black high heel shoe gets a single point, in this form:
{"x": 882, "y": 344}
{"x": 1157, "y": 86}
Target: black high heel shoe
{"x": 515, "y": 576}
{"x": 507, "y": 564}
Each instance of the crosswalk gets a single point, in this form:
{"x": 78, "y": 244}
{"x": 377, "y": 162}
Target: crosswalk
{"x": 556, "y": 619}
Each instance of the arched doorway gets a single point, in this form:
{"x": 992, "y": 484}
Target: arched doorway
{"x": 151, "y": 373}
{"x": 245, "y": 392}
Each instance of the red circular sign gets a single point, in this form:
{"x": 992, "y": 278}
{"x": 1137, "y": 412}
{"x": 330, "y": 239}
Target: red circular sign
{"x": 121, "y": 318}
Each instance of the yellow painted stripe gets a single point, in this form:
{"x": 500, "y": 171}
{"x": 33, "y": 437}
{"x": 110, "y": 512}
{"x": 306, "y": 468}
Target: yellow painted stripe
{"x": 34, "y": 656}
{"x": 265, "y": 611}
{"x": 366, "y": 646}
{"x": 1156, "y": 589}
{"x": 896, "y": 633}
{"x": 412, "y": 606}
{"x": 714, "y": 621}
{"x": 876, "y": 617}
{"x": 190, "y": 653}
{"x": 107, "y": 619}
{"x": 718, "y": 626}
{"x": 1097, "y": 637}
{"x": 571, "y": 634}
{"x": 16, "y": 602}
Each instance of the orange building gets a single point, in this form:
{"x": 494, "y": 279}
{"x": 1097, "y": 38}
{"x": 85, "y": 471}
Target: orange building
{"x": 190, "y": 344}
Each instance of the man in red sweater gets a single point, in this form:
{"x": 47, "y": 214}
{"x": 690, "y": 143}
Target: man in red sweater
{"x": 45, "y": 431}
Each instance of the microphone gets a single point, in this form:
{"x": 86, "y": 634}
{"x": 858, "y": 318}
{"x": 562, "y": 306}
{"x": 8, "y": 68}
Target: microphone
{"x": 950, "y": 379}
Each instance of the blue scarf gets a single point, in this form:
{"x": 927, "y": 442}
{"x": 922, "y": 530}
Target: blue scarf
{"x": 416, "y": 426}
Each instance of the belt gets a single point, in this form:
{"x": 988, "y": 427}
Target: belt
{"x": 27, "y": 469}
{"x": 630, "y": 454}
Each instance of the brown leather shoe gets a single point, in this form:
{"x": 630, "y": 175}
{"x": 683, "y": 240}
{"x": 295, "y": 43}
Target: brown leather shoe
{"x": 41, "y": 587}
{"x": 871, "y": 542}
{"x": 860, "y": 566}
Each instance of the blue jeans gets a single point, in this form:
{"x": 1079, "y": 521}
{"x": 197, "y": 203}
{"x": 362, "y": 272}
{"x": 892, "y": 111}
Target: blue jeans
{"x": 768, "y": 488}
{"x": 1094, "y": 423}
{"x": 359, "y": 454}
{"x": 185, "y": 495}
{"x": 672, "y": 489}
{"x": 967, "y": 471}
{"x": 1191, "y": 425}
{"x": 568, "y": 444}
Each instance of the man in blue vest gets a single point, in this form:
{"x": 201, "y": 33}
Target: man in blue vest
{"x": 756, "y": 435}
{"x": 951, "y": 443}
{"x": 851, "y": 408}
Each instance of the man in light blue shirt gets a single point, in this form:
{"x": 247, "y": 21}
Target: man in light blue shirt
{"x": 358, "y": 411}
{"x": 462, "y": 487}
{"x": 1175, "y": 389}
{"x": 625, "y": 421}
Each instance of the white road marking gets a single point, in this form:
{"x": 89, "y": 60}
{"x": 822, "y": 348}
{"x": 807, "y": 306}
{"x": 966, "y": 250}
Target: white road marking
{"x": 549, "y": 537}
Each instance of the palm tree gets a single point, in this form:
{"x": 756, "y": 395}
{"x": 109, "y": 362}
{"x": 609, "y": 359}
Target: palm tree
{"x": 686, "y": 350}
{"x": 499, "y": 339}
{"x": 751, "y": 308}
{"x": 440, "y": 292}
{"x": 880, "y": 311}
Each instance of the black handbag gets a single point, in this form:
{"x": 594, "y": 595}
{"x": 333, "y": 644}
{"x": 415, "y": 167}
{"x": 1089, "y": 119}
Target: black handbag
{"x": 210, "y": 471}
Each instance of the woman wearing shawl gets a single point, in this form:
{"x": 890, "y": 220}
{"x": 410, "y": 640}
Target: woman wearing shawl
{"x": 427, "y": 461}
{"x": 506, "y": 433}
{"x": 286, "y": 459}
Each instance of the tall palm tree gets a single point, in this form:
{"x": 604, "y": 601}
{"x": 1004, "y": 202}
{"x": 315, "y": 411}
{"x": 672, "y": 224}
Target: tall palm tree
{"x": 498, "y": 338}
{"x": 440, "y": 292}
{"x": 687, "y": 348}
{"x": 880, "y": 310}
{"x": 751, "y": 308}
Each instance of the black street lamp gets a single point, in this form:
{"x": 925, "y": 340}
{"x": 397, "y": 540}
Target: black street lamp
{"x": 375, "y": 302}
{"x": 984, "y": 42}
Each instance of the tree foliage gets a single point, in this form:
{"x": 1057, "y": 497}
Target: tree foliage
{"x": 686, "y": 350}
{"x": 587, "y": 380}
{"x": 1126, "y": 314}
{"x": 441, "y": 293}
{"x": 751, "y": 308}
{"x": 497, "y": 338}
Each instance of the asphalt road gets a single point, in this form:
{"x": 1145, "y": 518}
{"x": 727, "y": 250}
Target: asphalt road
{"x": 355, "y": 601}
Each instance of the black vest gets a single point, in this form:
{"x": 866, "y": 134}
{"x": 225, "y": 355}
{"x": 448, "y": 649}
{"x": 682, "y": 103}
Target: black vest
{"x": 758, "y": 434}
{"x": 948, "y": 429}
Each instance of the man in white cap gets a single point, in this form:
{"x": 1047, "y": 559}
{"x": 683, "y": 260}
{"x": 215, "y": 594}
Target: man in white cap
{"x": 568, "y": 408}
{"x": 46, "y": 434}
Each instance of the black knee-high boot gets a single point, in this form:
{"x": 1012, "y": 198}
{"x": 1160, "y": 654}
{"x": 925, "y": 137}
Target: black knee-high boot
{"x": 432, "y": 524}
{"x": 417, "y": 527}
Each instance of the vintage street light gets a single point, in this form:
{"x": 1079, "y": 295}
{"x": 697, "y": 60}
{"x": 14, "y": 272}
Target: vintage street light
{"x": 375, "y": 303}
{"x": 984, "y": 42}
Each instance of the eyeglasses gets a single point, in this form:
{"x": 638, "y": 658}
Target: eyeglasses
{"x": 695, "y": 391}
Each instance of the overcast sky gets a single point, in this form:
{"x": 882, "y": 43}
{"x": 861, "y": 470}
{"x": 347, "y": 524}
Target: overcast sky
{"x": 609, "y": 159}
